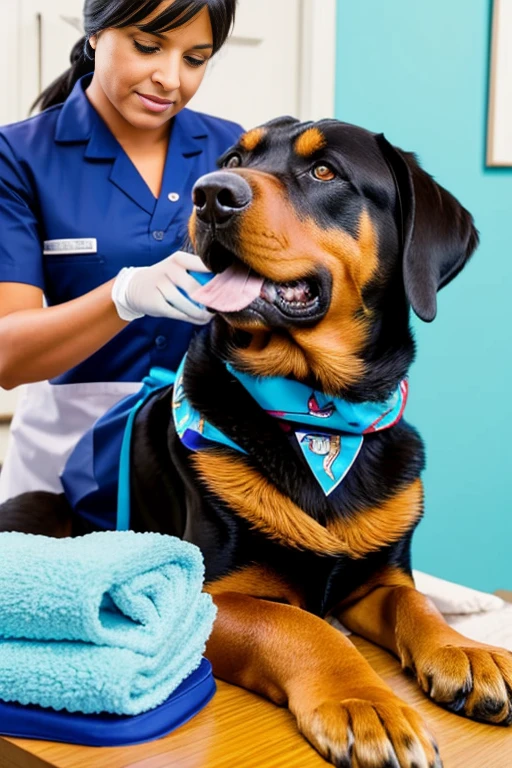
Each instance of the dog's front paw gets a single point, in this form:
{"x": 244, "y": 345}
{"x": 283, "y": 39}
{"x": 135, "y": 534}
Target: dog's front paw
{"x": 385, "y": 733}
{"x": 473, "y": 680}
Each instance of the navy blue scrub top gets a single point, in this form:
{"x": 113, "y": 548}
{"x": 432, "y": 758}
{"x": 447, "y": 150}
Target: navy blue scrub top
{"x": 64, "y": 176}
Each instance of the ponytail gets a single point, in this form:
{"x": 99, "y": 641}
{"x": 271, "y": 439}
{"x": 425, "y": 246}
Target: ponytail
{"x": 82, "y": 63}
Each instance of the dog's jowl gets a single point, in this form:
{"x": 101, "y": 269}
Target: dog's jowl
{"x": 282, "y": 451}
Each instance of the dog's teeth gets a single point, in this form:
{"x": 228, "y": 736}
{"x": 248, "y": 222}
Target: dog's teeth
{"x": 296, "y": 293}
{"x": 289, "y": 294}
{"x": 268, "y": 292}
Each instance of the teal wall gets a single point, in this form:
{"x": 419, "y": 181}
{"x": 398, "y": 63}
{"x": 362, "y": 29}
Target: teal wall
{"x": 418, "y": 71}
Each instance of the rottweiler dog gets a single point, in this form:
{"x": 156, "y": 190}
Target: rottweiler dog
{"x": 323, "y": 236}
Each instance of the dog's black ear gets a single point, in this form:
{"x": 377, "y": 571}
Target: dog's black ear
{"x": 438, "y": 234}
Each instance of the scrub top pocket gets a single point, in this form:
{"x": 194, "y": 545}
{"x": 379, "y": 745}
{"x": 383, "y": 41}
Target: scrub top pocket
{"x": 70, "y": 276}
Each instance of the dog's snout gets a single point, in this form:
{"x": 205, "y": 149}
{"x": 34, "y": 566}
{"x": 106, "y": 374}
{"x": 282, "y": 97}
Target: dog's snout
{"x": 219, "y": 196}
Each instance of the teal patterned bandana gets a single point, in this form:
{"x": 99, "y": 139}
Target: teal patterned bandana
{"x": 330, "y": 431}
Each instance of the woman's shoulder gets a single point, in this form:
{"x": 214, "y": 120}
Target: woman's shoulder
{"x": 33, "y": 132}
{"x": 215, "y": 126}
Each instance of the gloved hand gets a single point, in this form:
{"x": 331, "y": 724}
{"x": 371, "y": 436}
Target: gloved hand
{"x": 153, "y": 291}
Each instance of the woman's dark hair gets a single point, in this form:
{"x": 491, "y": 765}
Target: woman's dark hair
{"x": 105, "y": 14}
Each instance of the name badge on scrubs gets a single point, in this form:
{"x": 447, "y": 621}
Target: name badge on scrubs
{"x": 69, "y": 246}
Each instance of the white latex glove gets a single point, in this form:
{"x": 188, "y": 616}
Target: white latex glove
{"x": 153, "y": 291}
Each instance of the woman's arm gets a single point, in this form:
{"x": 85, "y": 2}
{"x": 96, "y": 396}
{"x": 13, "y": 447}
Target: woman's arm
{"x": 38, "y": 343}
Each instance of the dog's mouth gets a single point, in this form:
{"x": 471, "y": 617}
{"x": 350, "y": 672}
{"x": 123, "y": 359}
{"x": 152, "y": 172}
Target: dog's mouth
{"x": 237, "y": 289}
{"x": 296, "y": 298}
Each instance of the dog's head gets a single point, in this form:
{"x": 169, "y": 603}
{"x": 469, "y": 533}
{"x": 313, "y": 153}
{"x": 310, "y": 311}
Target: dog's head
{"x": 325, "y": 234}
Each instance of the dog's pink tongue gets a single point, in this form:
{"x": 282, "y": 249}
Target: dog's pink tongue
{"x": 231, "y": 291}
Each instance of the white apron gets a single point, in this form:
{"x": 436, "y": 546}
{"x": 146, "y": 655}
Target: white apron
{"x": 48, "y": 422}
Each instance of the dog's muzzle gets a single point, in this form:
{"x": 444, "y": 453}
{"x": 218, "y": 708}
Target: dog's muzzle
{"x": 219, "y": 196}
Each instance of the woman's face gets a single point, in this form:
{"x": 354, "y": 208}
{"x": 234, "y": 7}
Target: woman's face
{"x": 148, "y": 78}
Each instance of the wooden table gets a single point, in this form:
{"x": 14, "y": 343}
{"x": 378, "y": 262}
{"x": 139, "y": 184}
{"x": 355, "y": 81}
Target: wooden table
{"x": 241, "y": 730}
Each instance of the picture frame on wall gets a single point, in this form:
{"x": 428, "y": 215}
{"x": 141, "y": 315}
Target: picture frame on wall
{"x": 499, "y": 123}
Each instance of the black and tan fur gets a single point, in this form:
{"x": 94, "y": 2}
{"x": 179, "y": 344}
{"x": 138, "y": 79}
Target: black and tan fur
{"x": 374, "y": 235}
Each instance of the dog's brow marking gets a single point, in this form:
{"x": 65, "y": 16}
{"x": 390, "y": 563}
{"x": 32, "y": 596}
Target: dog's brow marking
{"x": 269, "y": 511}
{"x": 310, "y": 142}
{"x": 251, "y": 139}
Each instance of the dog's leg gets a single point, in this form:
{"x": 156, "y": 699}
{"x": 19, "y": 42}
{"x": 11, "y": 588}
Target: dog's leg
{"x": 38, "y": 512}
{"x": 341, "y": 705}
{"x": 465, "y": 676}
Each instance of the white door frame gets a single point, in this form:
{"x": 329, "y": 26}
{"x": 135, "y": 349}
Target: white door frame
{"x": 318, "y": 60}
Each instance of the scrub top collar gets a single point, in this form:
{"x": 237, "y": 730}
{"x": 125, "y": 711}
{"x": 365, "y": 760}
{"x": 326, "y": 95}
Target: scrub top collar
{"x": 79, "y": 122}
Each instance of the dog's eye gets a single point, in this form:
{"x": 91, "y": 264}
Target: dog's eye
{"x": 233, "y": 161}
{"x": 323, "y": 172}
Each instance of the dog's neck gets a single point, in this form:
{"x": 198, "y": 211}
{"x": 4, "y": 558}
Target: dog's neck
{"x": 212, "y": 401}
{"x": 384, "y": 360}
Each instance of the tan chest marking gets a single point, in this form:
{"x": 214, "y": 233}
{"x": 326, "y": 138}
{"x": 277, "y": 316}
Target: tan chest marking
{"x": 272, "y": 513}
{"x": 380, "y": 526}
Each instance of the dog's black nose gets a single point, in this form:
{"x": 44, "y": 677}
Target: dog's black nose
{"x": 219, "y": 195}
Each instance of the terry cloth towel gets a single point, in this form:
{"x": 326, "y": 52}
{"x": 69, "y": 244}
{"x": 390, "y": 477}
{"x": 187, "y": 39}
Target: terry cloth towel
{"x": 109, "y": 622}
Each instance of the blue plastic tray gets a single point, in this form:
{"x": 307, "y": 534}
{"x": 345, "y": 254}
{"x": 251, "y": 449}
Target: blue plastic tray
{"x": 30, "y": 722}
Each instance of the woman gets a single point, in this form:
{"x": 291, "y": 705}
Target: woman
{"x": 95, "y": 192}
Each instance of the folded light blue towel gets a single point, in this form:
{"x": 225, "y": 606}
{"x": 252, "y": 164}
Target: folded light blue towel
{"x": 109, "y": 622}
